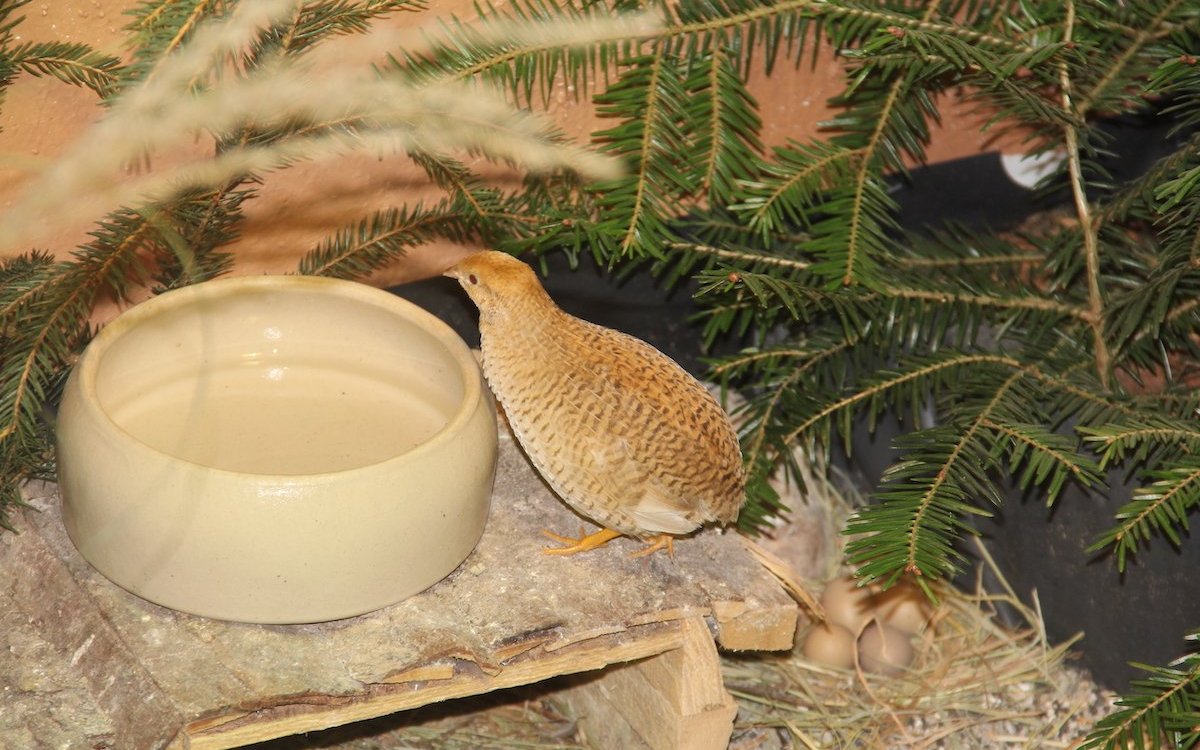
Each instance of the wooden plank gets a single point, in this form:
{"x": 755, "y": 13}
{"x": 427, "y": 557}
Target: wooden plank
{"x": 509, "y": 615}
{"x": 674, "y": 701}
{"x": 43, "y": 599}
{"x": 310, "y": 714}
{"x": 755, "y": 626}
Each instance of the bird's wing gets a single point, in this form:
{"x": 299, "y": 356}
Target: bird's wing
{"x": 654, "y": 508}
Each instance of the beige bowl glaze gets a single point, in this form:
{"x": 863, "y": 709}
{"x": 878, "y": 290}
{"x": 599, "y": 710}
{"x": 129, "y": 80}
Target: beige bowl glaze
{"x": 276, "y": 449}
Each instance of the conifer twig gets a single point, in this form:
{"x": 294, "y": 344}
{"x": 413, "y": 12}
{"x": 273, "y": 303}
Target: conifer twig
{"x": 1088, "y": 225}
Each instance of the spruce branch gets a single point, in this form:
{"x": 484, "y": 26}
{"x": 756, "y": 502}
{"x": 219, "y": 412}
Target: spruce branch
{"x": 76, "y": 64}
{"x": 1176, "y": 79}
{"x": 761, "y": 420}
{"x": 1160, "y": 709}
{"x": 1012, "y": 303}
{"x": 864, "y": 224}
{"x": 935, "y": 369}
{"x": 1048, "y": 458}
{"x": 1175, "y": 403}
{"x": 54, "y": 318}
{"x": 1143, "y": 196}
{"x": 733, "y": 365}
{"x": 690, "y": 29}
{"x": 883, "y": 18}
{"x": 30, "y": 363}
{"x": 22, "y": 277}
{"x": 745, "y": 259}
{"x": 940, "y": 496}
{"x": 944, "y": 474}
{"x": 726, "y": 125}
{"x": 533, "y": 46}
{"x": 1010, "y": 259}
{"x": 160, "y": 28}
{"x": 354, "y": 252}
{"x": 317, "y": 20}
{"x": 1138, "y": 440}
{"x": 1152, "y": 315}
{"x": 478, "y": 211}
{"x": 649, "y": 138}
{"x": 794, "y": 183}
{"x": 1145, "y": 32}
{"x": 1162, "y": 506}
{"x": 9, "y": 20}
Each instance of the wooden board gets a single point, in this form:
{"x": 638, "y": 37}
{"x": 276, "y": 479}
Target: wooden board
{"x": 89, "y": 665}
{"x": 676, "y": 700}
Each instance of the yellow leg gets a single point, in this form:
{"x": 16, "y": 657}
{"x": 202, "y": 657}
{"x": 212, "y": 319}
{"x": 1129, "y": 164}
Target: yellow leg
{"x": 580, "y": 543}
{"x": 662, "y": 541}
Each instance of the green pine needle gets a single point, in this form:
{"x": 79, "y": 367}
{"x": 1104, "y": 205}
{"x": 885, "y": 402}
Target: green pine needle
{"x": 1161, "y": 709}
{"x": 356, "y": 251}
{"x": 76, "y": 64}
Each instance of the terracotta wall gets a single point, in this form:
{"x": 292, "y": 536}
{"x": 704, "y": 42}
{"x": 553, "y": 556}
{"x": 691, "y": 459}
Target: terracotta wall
{"x": 299, "y": 205}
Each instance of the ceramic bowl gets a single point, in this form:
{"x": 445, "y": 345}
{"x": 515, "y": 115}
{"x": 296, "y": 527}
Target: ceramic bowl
{"x": 276, "y": 449}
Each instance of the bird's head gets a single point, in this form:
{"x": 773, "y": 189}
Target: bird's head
{"x": 494, "y": 279}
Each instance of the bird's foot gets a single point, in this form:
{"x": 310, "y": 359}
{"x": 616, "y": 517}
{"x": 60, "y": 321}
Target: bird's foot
{"x": 662, "y": 541}
{"x": 581, "y": 543}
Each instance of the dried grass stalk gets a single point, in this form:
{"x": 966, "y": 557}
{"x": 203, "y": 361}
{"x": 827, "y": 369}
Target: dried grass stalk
{"x": 329, "y": 108}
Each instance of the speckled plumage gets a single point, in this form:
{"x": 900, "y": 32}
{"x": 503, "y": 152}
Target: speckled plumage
{"x": 620, "y": 431}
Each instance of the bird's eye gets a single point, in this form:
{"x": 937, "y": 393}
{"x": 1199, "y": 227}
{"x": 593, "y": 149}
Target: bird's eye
{"x": 472, "y": 278}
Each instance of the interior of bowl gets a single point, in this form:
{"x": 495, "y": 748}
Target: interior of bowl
{"x": 280, "y": 376}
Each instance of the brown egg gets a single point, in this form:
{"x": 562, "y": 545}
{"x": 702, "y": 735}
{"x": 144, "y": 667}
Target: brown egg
{"x": 847, "y": 604}
{"x": 904, "y": 607}
{"x": 830, "y": 645}
{"x": 884, "y": 650}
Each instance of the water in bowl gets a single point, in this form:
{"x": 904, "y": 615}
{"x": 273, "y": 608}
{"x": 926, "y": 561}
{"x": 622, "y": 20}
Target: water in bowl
{"x": 294, "y": 418}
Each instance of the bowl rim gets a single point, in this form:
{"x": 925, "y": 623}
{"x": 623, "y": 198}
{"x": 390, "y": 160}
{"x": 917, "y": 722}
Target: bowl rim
{"x": 85, "y": 369}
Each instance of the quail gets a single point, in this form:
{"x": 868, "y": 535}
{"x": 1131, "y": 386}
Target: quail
{"x": 619, "y": 431}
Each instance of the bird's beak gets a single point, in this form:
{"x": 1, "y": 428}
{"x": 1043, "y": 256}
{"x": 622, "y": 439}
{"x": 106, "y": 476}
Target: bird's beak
{"x": 451, "y": 272}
